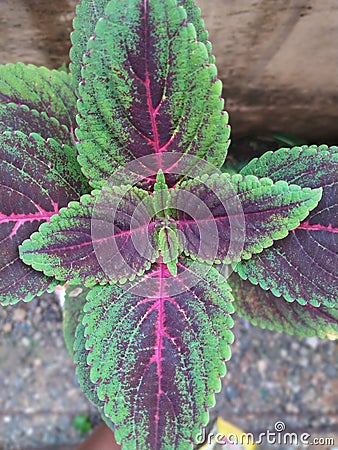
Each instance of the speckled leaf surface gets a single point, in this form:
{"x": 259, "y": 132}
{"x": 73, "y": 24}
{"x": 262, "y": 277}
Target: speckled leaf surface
{"x": 88, "y": 12}
{"x": 253, "y": 210}
{"x": 72, "y": 314}
{"x": 194, "y": 17}
{"x": 156, "y": 358}
{"x": 148, "y": 88}
{"x": 303, "y": 266}
{"x": 80, "y": 355}
{"x": 263, "y": 309}
{"x": 38, "y": 177}
{"x": 88, "y": 243}
{"x": 49, "y": 91}
{"x": 20, "y": 118}
{"x": 74, "y": 334}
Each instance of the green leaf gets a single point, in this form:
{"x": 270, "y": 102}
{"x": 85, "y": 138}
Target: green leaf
{"x": 101, "y": 239}
{"x": 161, "y": 194}
{"x": 82, "y": 424}
{"x": 169, "y": 246}
{"x": 156, "y": 358}
{"x": 148, "y": 89}
{"x": 303, "y": 266}
{"x": 265, "y": 310}
{"x": 41, "y": 89}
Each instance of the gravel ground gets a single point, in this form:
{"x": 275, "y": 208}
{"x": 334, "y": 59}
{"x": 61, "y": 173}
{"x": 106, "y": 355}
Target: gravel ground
{"x": 270, "y": 378}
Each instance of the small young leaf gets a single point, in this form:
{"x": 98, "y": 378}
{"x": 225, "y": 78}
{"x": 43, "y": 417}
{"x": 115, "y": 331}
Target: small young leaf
{"x": 156, "y": 359}
{"x": 168, "y": 245}
{"x": 38, "y": 177}
{"x": 161, "y": 194}
{"x": 303, "y": 266}
{"x": 249, "y": 211}
{"x": 148, "y": 88}
{"x": 90, "y": 243}
{"x": 39, "y": 88}
{"x": 262, "y": 308}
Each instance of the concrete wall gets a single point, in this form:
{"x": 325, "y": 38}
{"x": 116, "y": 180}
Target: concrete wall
{"x": 278, "y": 59}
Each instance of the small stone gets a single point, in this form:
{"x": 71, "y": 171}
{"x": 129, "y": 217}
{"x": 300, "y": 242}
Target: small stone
{"x": 312, "y": 342}
{"x": 25, "y": 342}
{"x": 261, "y": 366}
{"x": 7, "y": 327}
{"x": 291, "y": 408}
{"x": 331, "y": 371}
{"x": 231, "y": 392}
{"x": 283, "y": 353}
{"x": 75, "y": 292}
{"x": 19, "y": 315}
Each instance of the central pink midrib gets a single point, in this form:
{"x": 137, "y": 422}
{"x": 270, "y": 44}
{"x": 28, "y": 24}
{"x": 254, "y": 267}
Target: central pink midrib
{"x": 152, "y": 111}
{"x": 92, "y": 241}
{"x": 317, "y": 227}
{"x": 21, "y": 219}
{"x": 160, "y": 332}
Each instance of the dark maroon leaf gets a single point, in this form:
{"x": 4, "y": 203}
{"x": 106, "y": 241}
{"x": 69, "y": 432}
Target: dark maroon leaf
{"x": 262, "y": 308}
{"x": 103, "y": 238}
{"x": 38, "y": 177}
{"x": 156, "y": 349}
{"x": 303, "y": 266}
{"x": 21, "y": 118}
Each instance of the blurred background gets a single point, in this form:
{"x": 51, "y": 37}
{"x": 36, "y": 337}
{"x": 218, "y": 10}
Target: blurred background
{"x": 278, "y": 60}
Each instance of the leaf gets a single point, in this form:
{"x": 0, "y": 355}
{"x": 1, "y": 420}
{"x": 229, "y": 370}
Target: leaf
{"x": 80, "y": 354}
{"x": 88, "y": 12}
{"x": 101, "y": 239}
{"x": 38, "y": 177}
{"x": 21, "y": 118}
{"x": 303, "y": 266}
{"x": 223, "y": 218}
{"x": 41, "y": 89}
{"x": 157, "y": 356}
{"x": 148, "y": 89}
{"x": 194, "y": 17}
{"x": 72, "y": 314}
{"x": 262, "y": 308}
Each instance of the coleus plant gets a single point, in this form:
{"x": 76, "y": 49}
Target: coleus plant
{"x": 111, "y": 185}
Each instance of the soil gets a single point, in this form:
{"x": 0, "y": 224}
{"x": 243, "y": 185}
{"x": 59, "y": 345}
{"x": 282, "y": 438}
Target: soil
{"x": 271, "y": 377}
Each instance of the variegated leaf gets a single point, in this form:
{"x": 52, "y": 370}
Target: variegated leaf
{"x": 303, "y": 266}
